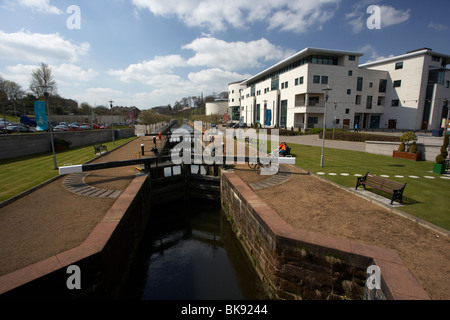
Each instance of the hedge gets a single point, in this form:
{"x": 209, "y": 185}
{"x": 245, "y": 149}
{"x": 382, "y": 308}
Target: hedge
{"x": 358, "y": 136}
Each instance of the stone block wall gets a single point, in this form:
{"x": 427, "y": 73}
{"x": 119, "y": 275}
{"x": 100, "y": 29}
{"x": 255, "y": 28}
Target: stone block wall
{"x": 299, "y": 264}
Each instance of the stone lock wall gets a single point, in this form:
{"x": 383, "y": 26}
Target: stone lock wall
{"x": 299, "y": 264}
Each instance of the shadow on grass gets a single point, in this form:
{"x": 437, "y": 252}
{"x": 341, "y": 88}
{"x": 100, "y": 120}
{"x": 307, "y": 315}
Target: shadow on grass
{"x": 406, "y": 200}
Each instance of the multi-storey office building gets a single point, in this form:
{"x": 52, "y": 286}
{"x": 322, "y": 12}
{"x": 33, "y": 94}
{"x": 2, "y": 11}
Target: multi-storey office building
{"x": 410, "y": 91}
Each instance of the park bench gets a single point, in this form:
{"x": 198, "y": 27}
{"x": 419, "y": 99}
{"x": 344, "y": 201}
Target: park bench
{"x": 392, "y": 187}
{"x": 99, "y": 148}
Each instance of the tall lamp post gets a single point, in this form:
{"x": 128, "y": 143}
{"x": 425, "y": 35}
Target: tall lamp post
{"x": 112, "y": 121}
{"x": 324, "y": 123}
{"x": 46, "y": 94}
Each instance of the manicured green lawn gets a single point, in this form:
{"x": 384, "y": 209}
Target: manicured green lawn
{"x": 21, "y": 174}
{"x": 425, "y": 198}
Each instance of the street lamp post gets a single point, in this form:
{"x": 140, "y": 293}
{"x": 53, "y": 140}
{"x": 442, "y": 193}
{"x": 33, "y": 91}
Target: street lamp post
{"x": 112, "y": 121}
{"x": 46, "y": 94}
{"x": 324, "y": 124}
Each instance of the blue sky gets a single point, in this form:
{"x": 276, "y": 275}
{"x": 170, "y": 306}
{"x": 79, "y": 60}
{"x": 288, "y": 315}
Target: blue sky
{"x": 149, "y": 53}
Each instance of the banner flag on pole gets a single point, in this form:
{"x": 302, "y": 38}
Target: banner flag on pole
{"x": 40, "y": 114}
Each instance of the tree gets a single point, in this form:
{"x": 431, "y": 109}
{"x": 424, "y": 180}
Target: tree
{"x": 151, "y": 117}
{"x": 42, "y": 81}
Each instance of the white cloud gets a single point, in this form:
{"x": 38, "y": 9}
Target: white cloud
{"x": 212, "y": 52}
{"x": 371, "y": 54}
{"x": 100, "y": 96}
{"x": 218, "y": 15}
{"x": 389, "y": 16}
{"x": 64, "y": 74}
{"x": 38, "y": 47}
{"x": 41, "y": 6}
{"x": 437, "y": 26}
{"x": 150, "y": 71}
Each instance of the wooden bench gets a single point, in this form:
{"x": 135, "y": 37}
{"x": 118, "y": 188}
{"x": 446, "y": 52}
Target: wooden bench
{"x": 392, "y": 187}
{"x": 99, "y": 148}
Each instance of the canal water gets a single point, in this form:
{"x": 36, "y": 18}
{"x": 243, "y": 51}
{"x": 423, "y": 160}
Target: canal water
{"x": 190, "y": 252}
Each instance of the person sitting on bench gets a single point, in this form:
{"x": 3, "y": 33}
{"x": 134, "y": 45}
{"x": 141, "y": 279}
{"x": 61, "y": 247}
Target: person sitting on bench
{"x": 282, "y": 149}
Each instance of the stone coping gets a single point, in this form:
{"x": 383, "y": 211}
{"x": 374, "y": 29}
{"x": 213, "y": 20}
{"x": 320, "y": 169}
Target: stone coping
{"x": 93, "y": 244}
{"x": 399, "y": 281}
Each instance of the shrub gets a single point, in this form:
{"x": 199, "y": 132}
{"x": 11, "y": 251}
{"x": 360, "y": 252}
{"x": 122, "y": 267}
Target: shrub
{"x": 401, "y": 147}
{"x": 358, "y": 137}
{"x": 440, "y": 159}
{"x": 413, "y": 148}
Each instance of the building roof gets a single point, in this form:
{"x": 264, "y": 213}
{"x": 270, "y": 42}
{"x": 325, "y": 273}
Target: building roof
{"x": 409, "y": 54}
{"x": 302, "y": 54}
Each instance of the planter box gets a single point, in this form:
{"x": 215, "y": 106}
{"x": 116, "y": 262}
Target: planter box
{"x": 407, "y": 155}
{"x": 439, "y": 168}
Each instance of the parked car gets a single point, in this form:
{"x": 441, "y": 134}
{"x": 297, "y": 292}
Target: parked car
{"x": 61, "y": 128}
{"x": 19, "y": 128}
{"x": 95, "y": 126}
{"x": 85, "y": 126}
{"x": 105, "y": 126}
{"x": 74, "y": 126}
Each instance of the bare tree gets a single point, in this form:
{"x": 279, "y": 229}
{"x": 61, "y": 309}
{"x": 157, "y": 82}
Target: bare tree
{"x": 42, "y": 80}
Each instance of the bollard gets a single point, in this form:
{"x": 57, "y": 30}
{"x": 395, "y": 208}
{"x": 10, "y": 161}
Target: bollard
{"x": 154, "y": 141}
{"x": 142, "y": 148}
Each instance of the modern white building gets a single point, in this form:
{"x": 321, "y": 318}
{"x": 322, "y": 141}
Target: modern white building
{"x": 218, "y": 107}
{"x": 410, "y": 91}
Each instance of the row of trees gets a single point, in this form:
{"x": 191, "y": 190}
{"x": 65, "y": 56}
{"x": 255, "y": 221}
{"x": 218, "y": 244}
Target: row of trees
{"x": 15, "y": 101}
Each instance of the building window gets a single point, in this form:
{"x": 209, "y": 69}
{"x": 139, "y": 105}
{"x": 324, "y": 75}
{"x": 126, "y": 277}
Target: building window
{"x": 380, "y": 101}
{"x": 338, "y": 121}
{"x": 324, "y": 80}
{"x": 350, "y": 72}
{"x": 347, "y": 111}
{"x": 313, "y": 101}
{"x": 395, "y": 103}
{"x": 369, "y": 102}
{"x": 352, "y": 58}
{"x": 301, "y": 80}
{"x": 399, "y": 65}
{"x": 382, "y": 87}
{"x": 397, "y": 83}
{"x": 316, "y": 79}
{"x": 296, "y": 81}
{"x": 447, "y": 85}
{"x": 358, "y": 100}
{"x": 435, "y": 58}
{"x": 349, "y": 91}
{"x": 359, "y": 84}
{"x": 370, "y": 84}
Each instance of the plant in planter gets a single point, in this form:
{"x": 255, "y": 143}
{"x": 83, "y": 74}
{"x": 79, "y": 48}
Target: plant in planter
{"x": 61, "y": 144}
{"x": 408, "y": 147}
{"x": 440, "y": 165}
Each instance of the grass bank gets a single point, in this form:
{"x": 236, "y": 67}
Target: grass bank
{"x": 20, "y": 174}
{"x": 425, "y": 197}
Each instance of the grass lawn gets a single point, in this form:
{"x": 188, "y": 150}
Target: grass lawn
{"x": 20, "y": 174}
{"x": 428, "y": 199}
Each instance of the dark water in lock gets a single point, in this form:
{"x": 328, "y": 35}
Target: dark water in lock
{"x": 190, "y": 253}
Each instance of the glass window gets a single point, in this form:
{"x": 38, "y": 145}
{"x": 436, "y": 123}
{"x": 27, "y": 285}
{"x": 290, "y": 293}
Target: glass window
{"x": 301, "y": 80}
{"x": 296, "y": 81}
{"x": 350, "y": 72}
{"x": 316, "y": 79}
{"x": 352, "y": 58}
{"x": 324, "y": 79}
{"x": 399, "y": 65}
{"x": 358, "y": 99}
{"x": 395, "y": 103}
{"x": 397, "y": 83}
{"x": 382, "y": 87}
{"x": 359, "y": 84}
{"x": 349, "y": 91}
